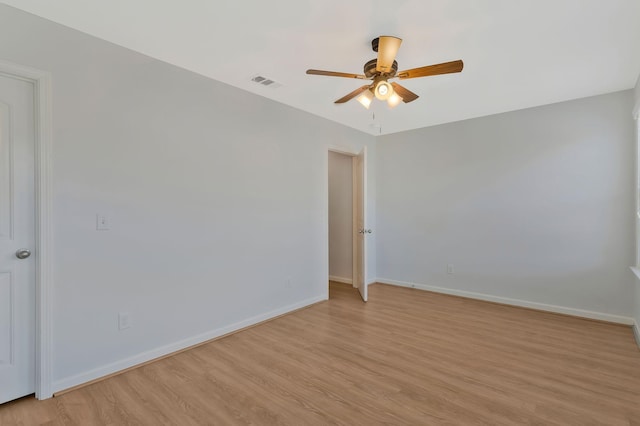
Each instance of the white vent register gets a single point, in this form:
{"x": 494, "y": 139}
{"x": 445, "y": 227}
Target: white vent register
{"x": 264, "y": 81}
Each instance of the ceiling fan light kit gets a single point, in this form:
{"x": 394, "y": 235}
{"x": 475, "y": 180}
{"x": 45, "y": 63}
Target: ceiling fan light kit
{"x": 384, "y": 68}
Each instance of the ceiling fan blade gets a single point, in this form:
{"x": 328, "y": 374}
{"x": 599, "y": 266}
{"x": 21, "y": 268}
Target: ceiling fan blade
{"x": 444, "y": 68}
{"x": 387, "y": 50}
{"x": 352, "y": 95}
{"x": 406, "y": 94}
{"x": 336, "y": 74}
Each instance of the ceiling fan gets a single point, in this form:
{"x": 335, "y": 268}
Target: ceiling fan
{"x": 384, "y": 68}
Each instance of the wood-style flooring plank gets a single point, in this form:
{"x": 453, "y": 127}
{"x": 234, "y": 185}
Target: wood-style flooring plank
{"x": 405, "y": 357}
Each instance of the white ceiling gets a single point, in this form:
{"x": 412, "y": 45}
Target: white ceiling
{"x": 517, "y": 53}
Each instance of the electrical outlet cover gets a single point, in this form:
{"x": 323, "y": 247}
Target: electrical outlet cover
{"x": 124, "y": 320}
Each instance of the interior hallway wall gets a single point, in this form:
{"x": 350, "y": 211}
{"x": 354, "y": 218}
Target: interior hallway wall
{"x": 340, "y": 217}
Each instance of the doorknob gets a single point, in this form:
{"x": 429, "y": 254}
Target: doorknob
{"x": 367, "y": 231}
{"x": 23, "y": 253}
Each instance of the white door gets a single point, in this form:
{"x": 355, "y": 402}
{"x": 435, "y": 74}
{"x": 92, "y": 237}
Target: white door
{"x": 17, "y": 231}
{"x": 359, "y": 165}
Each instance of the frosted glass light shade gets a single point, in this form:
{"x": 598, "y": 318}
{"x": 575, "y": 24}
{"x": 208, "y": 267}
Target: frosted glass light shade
{"x": 383, "y": 90}
{"x": 366, "y": 98}
{"x": 394, "y": 100}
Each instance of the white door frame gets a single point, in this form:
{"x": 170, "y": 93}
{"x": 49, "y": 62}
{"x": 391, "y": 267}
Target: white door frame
{"x": 43, "y": 200}
{"x": 356, "y": 237}
{"x": 352, "y": 154}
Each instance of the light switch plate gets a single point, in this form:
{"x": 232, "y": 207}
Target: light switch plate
{"x": 124, "y": 320}
{"x": 102, "y": 222}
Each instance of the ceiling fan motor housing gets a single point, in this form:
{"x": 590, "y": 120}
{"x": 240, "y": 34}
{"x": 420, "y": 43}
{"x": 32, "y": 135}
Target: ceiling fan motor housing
{"x": 370, "y": 69}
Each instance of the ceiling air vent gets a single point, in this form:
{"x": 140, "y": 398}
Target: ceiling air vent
{"x": 264, "y": 81}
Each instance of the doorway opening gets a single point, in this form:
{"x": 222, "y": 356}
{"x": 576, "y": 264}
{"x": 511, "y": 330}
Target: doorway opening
{"x": 346, "y": 201}
{"x": 341, "y": 222}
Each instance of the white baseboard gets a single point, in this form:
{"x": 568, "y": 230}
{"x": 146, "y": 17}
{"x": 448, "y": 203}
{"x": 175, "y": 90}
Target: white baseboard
{"x": 132, "y": 361}
{"x": 340, "y": 279}
{"x": 515, "y": 302}
{"x": 636, "y": 332}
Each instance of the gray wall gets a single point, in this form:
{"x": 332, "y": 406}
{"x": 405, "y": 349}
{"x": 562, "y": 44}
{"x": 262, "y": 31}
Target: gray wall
{"x": 217, "y": 200}
{"x": 533, "y": 205}
{"x": 340, "y": 216}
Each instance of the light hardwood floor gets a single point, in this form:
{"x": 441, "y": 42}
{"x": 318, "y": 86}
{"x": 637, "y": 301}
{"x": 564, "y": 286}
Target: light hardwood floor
{"x": 405, "y": 357}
